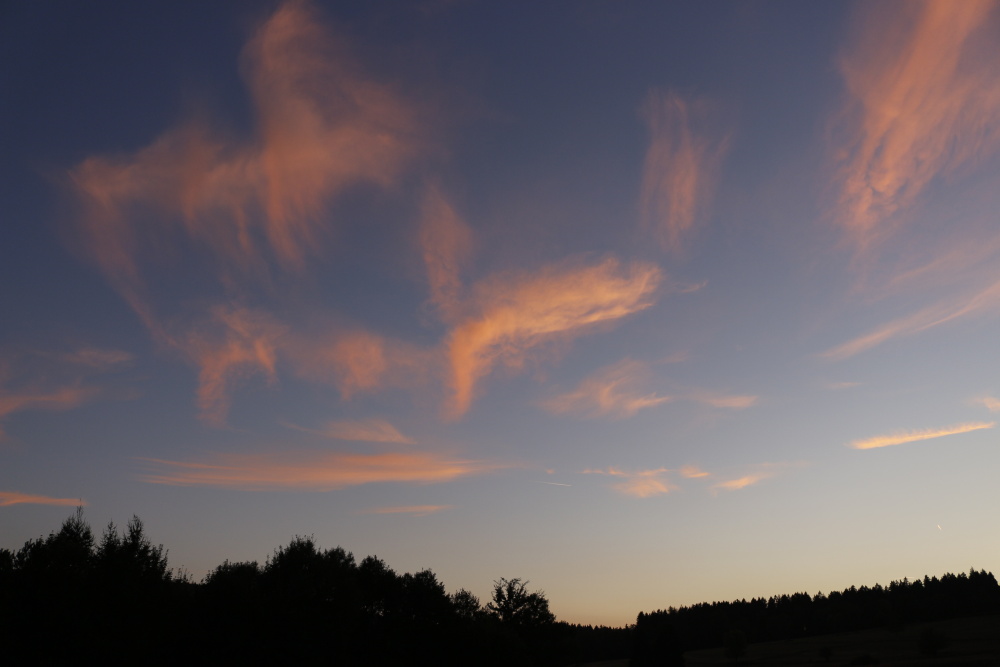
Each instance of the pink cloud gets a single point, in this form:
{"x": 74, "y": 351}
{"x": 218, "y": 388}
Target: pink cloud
{"x": 312, "y": 470}
{"x": 682, "y": 166}
{"x": 16, "y": 498}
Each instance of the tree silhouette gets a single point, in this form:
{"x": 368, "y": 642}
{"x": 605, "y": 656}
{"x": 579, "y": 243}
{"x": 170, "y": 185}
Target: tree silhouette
{"x": 515, "y": 606}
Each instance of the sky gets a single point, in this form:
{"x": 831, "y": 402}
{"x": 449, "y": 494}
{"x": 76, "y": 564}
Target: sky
{"x": 646, "y": 303}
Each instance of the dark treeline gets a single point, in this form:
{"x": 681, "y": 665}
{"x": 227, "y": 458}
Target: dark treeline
{"x": 70, "y": 596}
{"x": 663, "y": 634}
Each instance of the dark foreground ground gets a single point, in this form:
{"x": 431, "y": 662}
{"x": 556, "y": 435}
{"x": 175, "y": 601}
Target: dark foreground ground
{"x": 972, "y": 642}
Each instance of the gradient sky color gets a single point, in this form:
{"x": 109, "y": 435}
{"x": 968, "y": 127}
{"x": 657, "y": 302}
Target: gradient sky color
{"x": 647, "y": 303}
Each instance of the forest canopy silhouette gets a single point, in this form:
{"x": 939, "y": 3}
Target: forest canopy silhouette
{"x": 70, "y": 595}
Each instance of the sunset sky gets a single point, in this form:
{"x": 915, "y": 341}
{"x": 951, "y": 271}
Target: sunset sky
{"x": 646, "y": 303}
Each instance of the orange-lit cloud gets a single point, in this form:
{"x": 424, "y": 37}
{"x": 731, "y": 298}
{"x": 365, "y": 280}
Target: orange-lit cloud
{"x": 322, "y": 127}
{"x": 446, "y": 243}
{"x": 358, "y": 361}
{"x": 15, "y": 498}
{"x": 681, "y": 168}
{"x": 517, "y": 312}
{"x": 237, "y": 343}
{"x": 742, "y": 482}
{"x": 934, "y": 315}
{"x": 312, "y": 470}
{"x": 369, "y": 430}
{"x": 64, "y": 398}
{"x": 732, "y": 401}
{"x": 924, "y": 102}
{"x": 611, "y": 391}
{"x": 413, "y": 510}
{"x": 903, "y": 437}
{"x": 693, "y": 472}
{"x": 992, "y": 404}
{"x": 757, "y": 473}
{"x": 640, "y": 483}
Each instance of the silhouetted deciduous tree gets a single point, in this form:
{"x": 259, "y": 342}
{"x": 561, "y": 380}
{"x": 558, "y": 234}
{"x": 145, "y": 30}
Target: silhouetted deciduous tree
{"x": 514, "y": 605}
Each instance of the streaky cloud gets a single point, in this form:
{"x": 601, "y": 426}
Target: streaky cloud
{"x": 358, "y": 361}
{"x": 17, "y": 498}
{"x": 446, "y": 243}
{"x": 924, "y": 101}
{"x": 236, "y": 343}
{"x": 517, "y": 312}
{"x": 757, "y": 473}
{"x": 693, "y": 472}
{"x": 62, "y": 398}
{"x": 412, "y": 510}
{"x": 992, "y": 404}
{"x": 612, "y": 391}
{"x": 682, "y": 165}
{"x": 368, "y": 430}
{"x": 257, "y": 205}
{"x": 312, "y": 470}
{"x": 936, "y": 314}
{"x": 639, "y": 483}
{"x": 903, "y": 437}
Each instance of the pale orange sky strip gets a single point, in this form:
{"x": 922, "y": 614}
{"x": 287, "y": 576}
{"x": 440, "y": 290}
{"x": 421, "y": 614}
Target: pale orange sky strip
{"x": 681, "y": 168}
{"x": 312, "y": 470}
{"x": 903, "y": 437}
{"x": 924, "y": 100}
{"x": 16, "y": 498}
{"x": 516, "y": 312}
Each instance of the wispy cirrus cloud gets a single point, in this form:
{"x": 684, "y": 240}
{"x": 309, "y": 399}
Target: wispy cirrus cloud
{"x": 686, "y": 148}
{"x": 612, "y": 391}
{"x": 250, "y": 206}
{"x": 17, "y": 498}
{"x": 903, "y": 437}
{"x": 513, "y": 313}
{"x": 323, "y": 126}
{"x": 366, "y": 430}
{"x": 992, "y": 404}
{"x": 924, "y": 101}
{"x": 61, "y": 398}
{"x": 615, "y": 391}
{"x": 446, "y": 243}
{"x": 639, "y": 483}
{"x": 756, "y": 474}
{"x": 693, "y": 472}
{"x": 942, "y": 312}
{"x": 312, "y": 470}
{"x": 719, "y": 400}
{"x": 53, "y": 380}
{"x": 412, "y": 510}
{"x": 356, "y": 360}
{"x": 236, "y": 344}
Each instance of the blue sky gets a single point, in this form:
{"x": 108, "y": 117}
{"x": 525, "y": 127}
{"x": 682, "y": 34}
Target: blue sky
{"x": 648, "y": 304}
